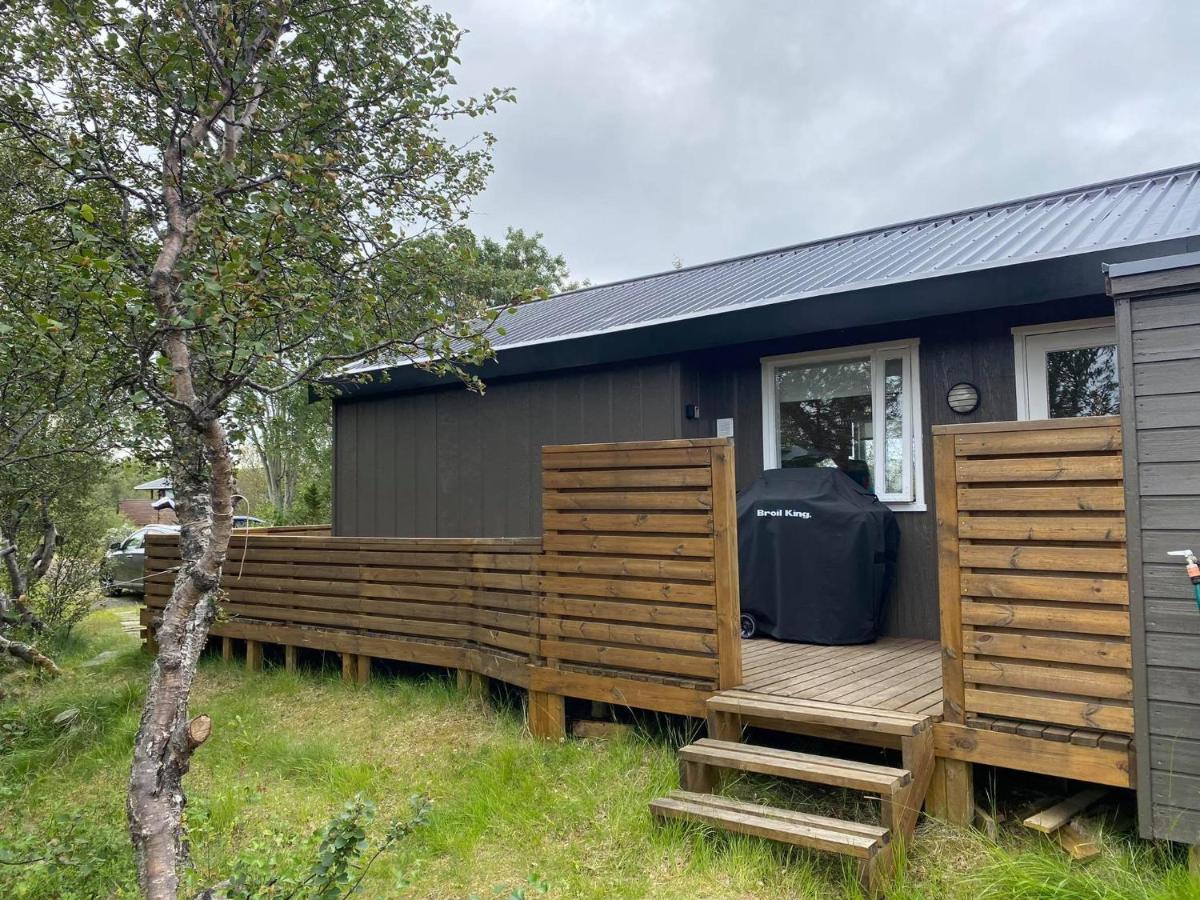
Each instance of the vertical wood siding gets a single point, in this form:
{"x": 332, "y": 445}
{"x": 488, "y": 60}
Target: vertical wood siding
{"x": 450, "y": 463}
{"x": 467, "y": 466}
{"x": 1159, "y": 355}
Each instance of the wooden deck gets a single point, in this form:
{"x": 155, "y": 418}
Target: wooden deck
{"x": 902, "y": 674}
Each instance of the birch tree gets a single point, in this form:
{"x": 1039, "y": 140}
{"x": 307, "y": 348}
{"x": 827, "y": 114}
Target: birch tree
{"x": 239, "y": 180}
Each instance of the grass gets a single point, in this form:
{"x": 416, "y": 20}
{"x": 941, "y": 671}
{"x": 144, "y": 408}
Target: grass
{"x": 511, "y": 816}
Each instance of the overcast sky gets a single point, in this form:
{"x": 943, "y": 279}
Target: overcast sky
{"x": 648, "y": 131}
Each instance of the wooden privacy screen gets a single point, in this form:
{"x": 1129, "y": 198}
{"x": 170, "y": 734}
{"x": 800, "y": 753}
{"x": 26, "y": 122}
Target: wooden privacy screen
{"x": 633, "y": 601}
{"x": 1033, "y": 588}
{"x": 639, "y": 573}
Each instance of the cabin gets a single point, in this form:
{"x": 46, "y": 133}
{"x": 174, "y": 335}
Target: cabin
{"x": 1020, "y": 383}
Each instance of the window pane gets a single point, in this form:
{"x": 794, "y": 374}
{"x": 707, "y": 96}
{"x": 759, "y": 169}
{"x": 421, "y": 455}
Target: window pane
{"x": 893, "y": 426}
{"x": 825, "y": 417}
{"x": 1082, "y": 382}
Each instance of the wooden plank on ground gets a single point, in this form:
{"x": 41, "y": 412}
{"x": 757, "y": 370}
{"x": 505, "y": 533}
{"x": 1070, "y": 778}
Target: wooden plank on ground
{"x": 1060, "y": 814}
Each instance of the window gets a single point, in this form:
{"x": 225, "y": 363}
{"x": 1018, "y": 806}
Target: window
{"x": 828, "y": 409}
{"x": 134, "y": 542}
{"x": 1067, "y": 369}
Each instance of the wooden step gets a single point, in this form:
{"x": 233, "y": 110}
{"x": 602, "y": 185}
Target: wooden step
{"x": 754, "y": 705}
{"x": 797, "y": 766}
{"x": 802, "y": 829}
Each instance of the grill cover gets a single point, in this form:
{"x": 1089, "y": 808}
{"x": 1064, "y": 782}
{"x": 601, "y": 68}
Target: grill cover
{"x": 816, "y": 554}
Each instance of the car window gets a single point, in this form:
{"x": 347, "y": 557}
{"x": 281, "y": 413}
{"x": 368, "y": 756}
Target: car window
{"x": 134, "y": 542}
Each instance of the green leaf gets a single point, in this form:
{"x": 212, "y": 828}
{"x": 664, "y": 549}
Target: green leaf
{"x": 89, "y": 214}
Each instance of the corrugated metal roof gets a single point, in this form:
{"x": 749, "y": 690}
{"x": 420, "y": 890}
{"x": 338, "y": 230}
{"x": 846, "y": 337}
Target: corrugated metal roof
{"x": 1140, "y": 209}
{"x": 157, "y": 484}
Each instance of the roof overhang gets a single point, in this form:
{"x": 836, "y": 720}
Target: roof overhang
{"x": 1057, "y": 278}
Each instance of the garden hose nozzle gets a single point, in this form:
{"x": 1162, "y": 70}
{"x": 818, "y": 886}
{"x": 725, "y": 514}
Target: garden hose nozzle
{"x": 1193, "y": 569}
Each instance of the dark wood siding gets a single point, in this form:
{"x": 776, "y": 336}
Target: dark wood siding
{"x": 465, "y": 466}
{"x": 1159, "y": 352}
{"x": 450, "y": 463}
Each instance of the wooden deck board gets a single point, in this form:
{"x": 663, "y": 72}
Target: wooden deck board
{"x": 901, "y": 674}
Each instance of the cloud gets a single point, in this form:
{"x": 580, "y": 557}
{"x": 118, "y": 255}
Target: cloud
{"x": 646, "y": 131}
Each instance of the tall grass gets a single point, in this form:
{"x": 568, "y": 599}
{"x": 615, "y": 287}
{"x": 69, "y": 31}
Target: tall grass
{"x": 508, "y": 812}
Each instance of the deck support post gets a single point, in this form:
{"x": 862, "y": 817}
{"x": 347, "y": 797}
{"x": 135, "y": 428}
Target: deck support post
{"x": 289, "y": 657}
{"x": 472, "y": 683}
{"x": 696, "y": 777}
{"x": 151, "y": 642}
{"x": 1194, "y": 860}
{"x": 348, "y": 666}
{"x": 724, "y": 726}
{"x": 227, "y": 649}
{"x": 254, "y": 656}
{"x": 916, "y": 753}
{"x": 547, "y": 716}
{"x": 362, "y": 669}
{"x": 951, "y": 797}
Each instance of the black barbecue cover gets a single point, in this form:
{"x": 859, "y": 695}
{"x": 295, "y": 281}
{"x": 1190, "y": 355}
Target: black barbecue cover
{"x": 816, "y": 554}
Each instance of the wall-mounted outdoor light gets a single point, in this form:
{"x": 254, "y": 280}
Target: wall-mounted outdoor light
{"x": 692, "y": 410}
{"x": 963, "y": 398}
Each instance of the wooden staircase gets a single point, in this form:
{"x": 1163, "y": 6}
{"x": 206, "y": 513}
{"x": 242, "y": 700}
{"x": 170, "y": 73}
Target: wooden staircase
{"x": 901, "y": 791}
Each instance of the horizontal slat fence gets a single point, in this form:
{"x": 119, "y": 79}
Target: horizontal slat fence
{"x": 1033, "y": 580}
{"x": 630, "y": 596}
{"x": 638, "y": 549}
{"x": 433, "y": 599}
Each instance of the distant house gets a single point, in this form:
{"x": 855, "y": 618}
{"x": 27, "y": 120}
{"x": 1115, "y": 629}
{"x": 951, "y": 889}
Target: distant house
{"x": 142, "y": 512}
{"x": 844, "y": 351}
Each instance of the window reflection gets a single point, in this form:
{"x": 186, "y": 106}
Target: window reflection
{"x": 825, "y": 417}
{"x": 1082, "y": 382}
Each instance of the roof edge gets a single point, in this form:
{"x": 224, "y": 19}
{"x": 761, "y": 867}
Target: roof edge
{"x": 880, "y": 229}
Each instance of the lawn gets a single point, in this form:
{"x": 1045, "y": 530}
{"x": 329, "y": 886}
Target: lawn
{"x": 510, "y": 816}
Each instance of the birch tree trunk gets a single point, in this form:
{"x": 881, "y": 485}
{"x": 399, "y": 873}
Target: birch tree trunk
{"x": 203, "y": 479}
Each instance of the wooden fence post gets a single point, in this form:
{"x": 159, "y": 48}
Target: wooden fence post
{"x": 254, "y": 656}
{"x": 953, "y": 796}
{"x": 729, "y": 629}
{"x": 227, "y": 649}
{"x": 472, "y": 683}
{"x": 348, "y": 666}
{"x": 547, "y": 716}
{"x": 362, "y": 669}
{"x": 289, "y": 657}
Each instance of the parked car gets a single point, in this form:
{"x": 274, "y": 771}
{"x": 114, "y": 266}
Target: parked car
{"x": 125, "y": 561}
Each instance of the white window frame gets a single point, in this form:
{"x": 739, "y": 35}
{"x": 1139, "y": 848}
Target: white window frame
{"x": 912, "y": 499}
{"x": 1031, "y": 344}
